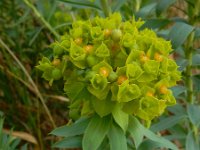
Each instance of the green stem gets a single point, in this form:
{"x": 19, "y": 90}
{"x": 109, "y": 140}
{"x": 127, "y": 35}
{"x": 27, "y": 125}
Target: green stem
{"x": 188, "y": 73}
{"x": 137, "y": 6}
{"x": 105, "y": 7}
{"x": 42, "y": 18}
{"x": 188, "y": 54}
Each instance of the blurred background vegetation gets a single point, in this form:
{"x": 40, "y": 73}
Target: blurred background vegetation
{"x": 32, "y": 108}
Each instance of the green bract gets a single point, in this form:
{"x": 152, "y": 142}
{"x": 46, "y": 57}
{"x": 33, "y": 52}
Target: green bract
{"x": 107, "y": 64}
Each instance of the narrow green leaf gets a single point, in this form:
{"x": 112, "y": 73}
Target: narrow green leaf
{"x": 118, "y": 5}
{"x": 196, "y": 60}
{"x": 197, "y": 32}
{"x": 162, "y": 141}
{"x": 95, "y": 132}
{"x": 149, "y": 134}
{"x": 177, "y": 110}
{"x": 146, "y": 10}
{"x": 69, "y": 142}
{"x": 24, "y": 147}
{"x": 162, "y": 5}
{"x": 104, "y": 145}
{"x": 190, "y": 142}
{"x": 136, "y": 131}
{"x": 1, "y": 131}
{"x": 117, "y": 138}
{"x": 23, "y": 18}
{"x": 175, "y": 137}
{"x": 182, "y": 63}
{"x": 82, "y": 4}
{"x": 149, "y": 145}
{"x": 179, "y": 33}
{"x": 75, "y": 129}
{"x": 196, "y": 81}
{"x": 177, "y": 90}
{"x": 14, "y": 143}
{"x": 167, "y": 123}
{"x": 120, "y": 117}
{"x": 177, "y": 130}
{"x": 155, "y": 23}
{"x": 193, "y": 113}
{"x": 102, "y": 107}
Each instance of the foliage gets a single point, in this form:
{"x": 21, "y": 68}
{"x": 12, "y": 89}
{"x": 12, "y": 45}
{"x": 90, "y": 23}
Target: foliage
{"x": 113, "y": 68}
{"x": 28, "y": 28}
{"x": 110, "y": 67}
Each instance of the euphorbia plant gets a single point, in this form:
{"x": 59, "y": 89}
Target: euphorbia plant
{"x": 113, "y": 73}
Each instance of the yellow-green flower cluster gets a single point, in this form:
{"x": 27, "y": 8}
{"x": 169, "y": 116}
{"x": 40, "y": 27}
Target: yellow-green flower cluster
{"x": 107, "y": 64}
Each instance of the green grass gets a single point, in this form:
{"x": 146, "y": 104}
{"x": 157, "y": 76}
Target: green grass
{"x": 28, "y": 27}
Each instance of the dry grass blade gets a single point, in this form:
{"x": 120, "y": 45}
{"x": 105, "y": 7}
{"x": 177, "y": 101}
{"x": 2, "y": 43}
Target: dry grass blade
{"x": 22, "y": 135}
{"x": 37, "y": 92}
{"x": 60, "y": 98}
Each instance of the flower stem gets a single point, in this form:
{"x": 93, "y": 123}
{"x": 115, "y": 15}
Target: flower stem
{"x": 105, "y": 7}
{"x": 188, "y": 72}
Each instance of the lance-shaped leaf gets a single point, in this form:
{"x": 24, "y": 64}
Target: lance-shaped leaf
{"x": 179, "y": 33}
{"x": 69, "y": 142}
{"x": 162, "y": 5}
{"x": 117, "y": 138}
{"x": 120, "y": 117}
{"x": 193, "y": 113}
{"x": 137, "y": 131}
{"x": 96, "y": 132}
{"x": 76, "y": 128}
{"x": 82, "y": 4}
{"x": 103, "y": 107}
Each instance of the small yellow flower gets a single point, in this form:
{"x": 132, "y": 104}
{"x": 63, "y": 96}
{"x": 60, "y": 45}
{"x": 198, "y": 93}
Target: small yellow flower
{"x": 88, "y": 49}
{"x": 78, "y": 41}
{"x": 121, "y": 79}
{"x": 104, "y": 71}
{"x": 158, "y": 57}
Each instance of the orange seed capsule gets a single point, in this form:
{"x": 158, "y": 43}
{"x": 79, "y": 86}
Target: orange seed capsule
{"x": 158, "y": 57}
{"x": 104, "y": 71}
{"x": 78, "y": 41}
{"x": 121, "y": 79}
{"x": 144, "y": 58}
{"x": 163, "y": 89}
{"x": 149, "y": 94}
{"x": 107, "y": 32}
{"x": 88, "y": 48}
{"x": 56, "y": 62}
